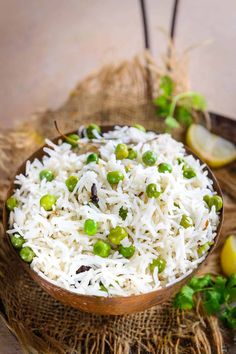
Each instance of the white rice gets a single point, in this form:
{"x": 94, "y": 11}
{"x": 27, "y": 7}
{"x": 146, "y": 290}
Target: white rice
{"x": 153, "y": 224}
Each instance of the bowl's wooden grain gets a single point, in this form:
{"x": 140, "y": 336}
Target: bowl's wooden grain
{"x": 104, "y": 305}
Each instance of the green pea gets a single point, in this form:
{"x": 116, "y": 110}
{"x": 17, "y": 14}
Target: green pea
{"x": 217, "y": 201}
{"x": 152, "y": 191}
{"x": 160, "y": 263}
{"x": 117, "y": 234}
{"x": 92, "y": 158}
{"x": 11, "y": 203}
{"x": 164, "y": 167}
{"x": 207, "y": 199}
{"x": 121, "y": 151}
{"x": 102, "y": 249}
{"x": 17, "y": 241}
{"x": 115, "y": 177}
{"x": 127, "y": 252}
{"x": 72, "y": 139}
{"x": 139, "y": 127}
{"x": 47, "y": 201}
{"x": 186, "y": 221}
{"x": 90, "y": 227}
{"x": 71, "y": 183}
{"x": 27, "y": 254}
{"x": 149, "y": 158}
{"x": 123, "y": 212}
{"x": 132, "y": 154}
{"x": 90, "y": 130}
{"x": 188, "y": 172}
{"x": 202, "y": 249}
{"x": 47, "y": 174}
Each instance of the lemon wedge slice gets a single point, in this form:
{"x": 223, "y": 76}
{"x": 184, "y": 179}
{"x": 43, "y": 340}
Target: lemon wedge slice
{"x": 213, "y": 149}
{"x": 228, "y": 256}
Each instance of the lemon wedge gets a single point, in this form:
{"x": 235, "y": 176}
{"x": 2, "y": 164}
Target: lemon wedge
{"x": 228, "y": 256}
{"x": 213, "y": 149}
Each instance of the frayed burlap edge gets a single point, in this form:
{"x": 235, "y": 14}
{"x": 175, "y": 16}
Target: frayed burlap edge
{"x": 120, "y": 94}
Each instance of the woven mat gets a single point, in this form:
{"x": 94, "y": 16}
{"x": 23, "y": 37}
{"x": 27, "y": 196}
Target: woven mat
{"x": 116, "y": 95}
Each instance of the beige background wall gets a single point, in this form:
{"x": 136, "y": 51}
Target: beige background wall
{"x": 46, "y": 46}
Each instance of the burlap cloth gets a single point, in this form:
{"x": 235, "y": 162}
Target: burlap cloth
{"x": 119, "y": 94}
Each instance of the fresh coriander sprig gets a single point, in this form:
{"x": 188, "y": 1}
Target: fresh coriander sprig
{"x": 177, "y": 109}
{"x": 217, "y": 296}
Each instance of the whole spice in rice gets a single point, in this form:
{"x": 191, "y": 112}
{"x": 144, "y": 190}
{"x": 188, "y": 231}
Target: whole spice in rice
{"x": 94, "y": 195}
{"x": 82, "y": 269}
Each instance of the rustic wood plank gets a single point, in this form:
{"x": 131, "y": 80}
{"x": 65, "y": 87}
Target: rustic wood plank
{"x": 8, "y": 343}
{"x": 224, "y": 126}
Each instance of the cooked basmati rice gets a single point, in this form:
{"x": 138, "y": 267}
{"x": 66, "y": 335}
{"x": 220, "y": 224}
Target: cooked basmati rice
{"x": 153, "y": 224}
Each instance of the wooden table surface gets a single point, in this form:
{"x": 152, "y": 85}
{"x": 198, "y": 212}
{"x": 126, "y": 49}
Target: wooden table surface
{"x": 46, "y": 47}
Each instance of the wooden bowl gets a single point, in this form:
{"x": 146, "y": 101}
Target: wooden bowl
{"x": 116, "y": 305}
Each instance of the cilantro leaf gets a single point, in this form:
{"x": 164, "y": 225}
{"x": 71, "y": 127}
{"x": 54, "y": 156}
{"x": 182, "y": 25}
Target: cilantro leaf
{"x": 183, "y": 115}
{"x": 231, "y": 287}
{"x": 166, "y": 85}
{"x": 162, "y": 111}
{"x": 192, "y": 100}
{"x": 199, "y": 283}
{"x": 161, "y": 101}
{"x": 229, "y": 317}
{"x": 231, "y": 283}
{"x": 212, "y": 301}
{"x": 231, "y": 295}
{"x": 184, "y": 298}
{"x": 171, "y": 122}
{"x": 219, "y": 286}
{"x": 177, "y": 108}
{"x": 198, "y": 102}
{"x": 163, "y": 105}
{"x": 220, "y": 282}
{"x": 216, "y": 293}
